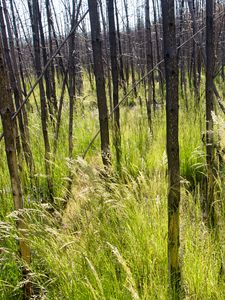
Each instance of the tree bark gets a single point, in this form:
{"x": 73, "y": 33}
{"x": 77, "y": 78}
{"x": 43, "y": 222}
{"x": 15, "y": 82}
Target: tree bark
{"x": 114, "y": 71}
{"x": 210, "y": 64}
{"x": 149, "y": 63}
{"x": 6, "y": 111}
{"x": 100, "y": 80}
{"x": 130, "y": 49}
{"x": 171, "y": 72}
{"x": 36, "y": 41}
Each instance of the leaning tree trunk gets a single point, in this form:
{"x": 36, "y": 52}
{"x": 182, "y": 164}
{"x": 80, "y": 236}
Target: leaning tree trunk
{"x": 6, "y": 111}
{"x": 171, "y": 72}
{"x": 100, "y": 80}
{"x": 114, "y": 70}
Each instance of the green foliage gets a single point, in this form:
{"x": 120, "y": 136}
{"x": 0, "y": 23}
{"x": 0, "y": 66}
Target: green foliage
{"x": 111, "y": 241}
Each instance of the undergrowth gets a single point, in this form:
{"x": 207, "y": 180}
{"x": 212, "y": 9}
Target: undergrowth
{"x": 111, "y": 240}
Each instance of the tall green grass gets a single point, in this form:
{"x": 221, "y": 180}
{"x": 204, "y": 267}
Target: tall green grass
{"x": 111, "y": 241}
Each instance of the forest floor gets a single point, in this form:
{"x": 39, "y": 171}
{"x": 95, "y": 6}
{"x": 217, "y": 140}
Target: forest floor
{"x": 111, "y": 240}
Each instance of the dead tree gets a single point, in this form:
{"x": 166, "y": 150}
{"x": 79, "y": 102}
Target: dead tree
{"x": 107, "y": 60}
{"x": 6, "y": 111}
{"x": 114, "y": 71}
{"x": 130, "y": 49}
{"x": 149, "y": 63}
{"x": 71, "y": 82}
{"x": 121, "y": 69}
{"x": 171, "y": 72}
{"x": 34, "y": 15}
{"x": 192, "y": 9}
{"x": 11, "y": 61}
{"x": 100, "y": 80}
{"x": 210, "y": 64}
{"x": 50, "y": 41}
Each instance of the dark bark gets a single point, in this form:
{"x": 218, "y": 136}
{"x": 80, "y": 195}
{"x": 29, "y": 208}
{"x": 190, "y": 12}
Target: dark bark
{"x": 16, "y": 86}
{"x": 171, "y": 72}
{"x": 107, "y": 57}
{"x": 100, "y": 81}
{"x": 114, "y": 70}
{"x": 6, "y": 111}
{"x": 121, "y": 69}
{"x": 130, "y": 49}
{"x": 50, "y": 40}
{"x": 34, "y": 14}
{"x": 194, "y": 53}
{"x": 149, "y": 63}
{"x": 210, "y": 64}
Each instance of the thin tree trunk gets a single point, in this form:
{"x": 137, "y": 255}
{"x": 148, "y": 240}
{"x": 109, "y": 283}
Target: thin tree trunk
{"x": 158, "y": 46}
{"x": 194, "y": 53}
{"x": 130, "y": 48}
{"x": 107, "y": 58}
{"x": 15, "y": 84}
{"x": 114, "y": 70}
{"x": 171, "y": 71}
{"x": 100, "y": 81}
{"x": 51, "y": 103}
{"x": 36, "y": 41}
{"x": 6, "y": 111}
{"x": 52, "y": 70}
{"x": 210, "y": 64}
{"x": 123, "y": 83}
{"x": 149, "y": 63}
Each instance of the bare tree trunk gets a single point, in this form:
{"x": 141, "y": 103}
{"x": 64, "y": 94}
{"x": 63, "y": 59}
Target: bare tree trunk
{"x": 122, "y": 78}
{"x": 52, "y": 105}
{"x": 157, "y": 36}
{"x": 71, "y": 73}
{"x": 15, "y": 81}
{"x": 100, "y": 81}
{"x": 114, "y": 70}
{"x": 194, "y": 53}
{"x": 210, "y": 65}
{"x": 149, "y": 63}
{"x": 172, "y": 111}
{"x": 52, "y": 70}
{"x": 6, "y": 111}
{"x": 36, "y": 41}
{"x": 130, "y": 48}
{"x": 107, "y": 58}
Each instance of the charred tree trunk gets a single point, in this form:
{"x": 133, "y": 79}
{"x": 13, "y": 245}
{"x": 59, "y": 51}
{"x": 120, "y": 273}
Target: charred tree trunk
{"x": 6, "y": 111}
{"x": 130, "y": 48}
{"x": 210, "y": 64}
{"x": 194, "y": 53}
{"x": 34, "y": 14}
{"x": 171, "y": 72}
{"x": 114, "y": 70}
{"x": 15, "y": 84}
{"x": 107, "y": 57}
{"x": 149, "y": 63}
{"x": 50, "y": 40}
{"x": 122, "y": 78}
{"x": 48, "y": 85}
{"x": 100, "y": 81}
